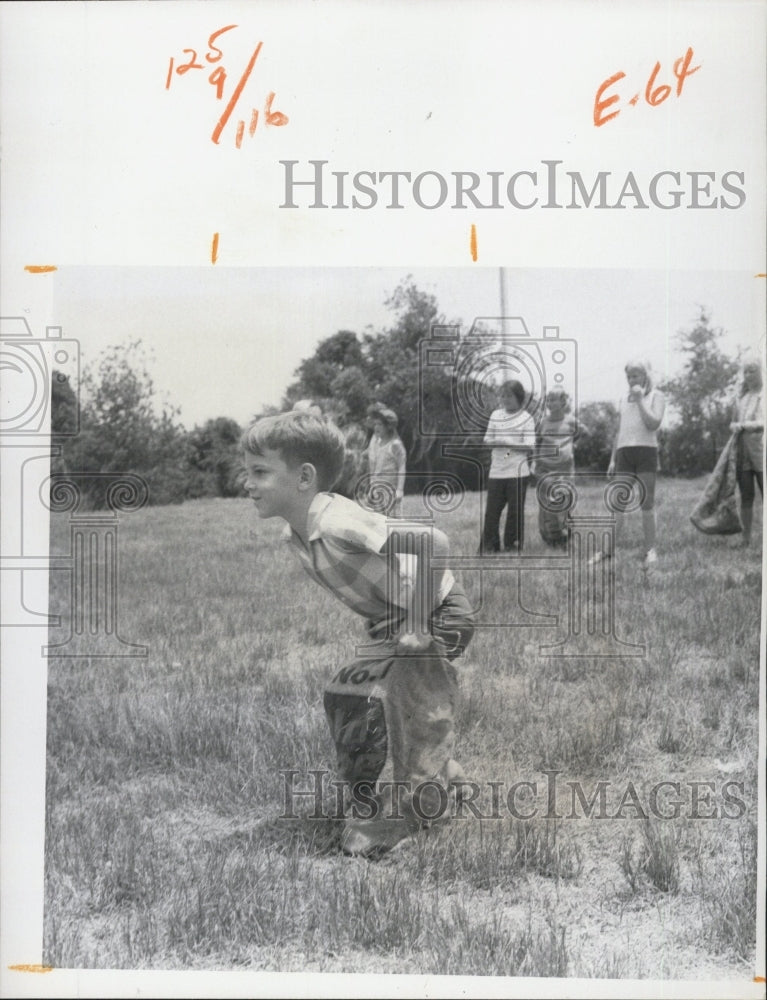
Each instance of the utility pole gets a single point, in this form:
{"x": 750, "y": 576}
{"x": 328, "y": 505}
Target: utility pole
{"x": 502, "y": 283}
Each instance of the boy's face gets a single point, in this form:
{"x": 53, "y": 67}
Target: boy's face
{"x": 271, "y": 483}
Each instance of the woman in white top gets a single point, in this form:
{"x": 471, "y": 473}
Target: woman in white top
{"x": 635, "y": 450}
{"x": 511, "y": 436}
{"x": 749, "y": 426}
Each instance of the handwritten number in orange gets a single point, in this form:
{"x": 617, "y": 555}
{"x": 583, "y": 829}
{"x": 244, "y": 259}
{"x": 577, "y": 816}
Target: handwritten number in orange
{"x": 213, "y": 55}
{"x": 192, "y": 64}
{"x": 274, "y": 117}
{"x": 235, "y": 95}
{"x": 682, "y": 70}
{"x": 214, "y": 48}
{"x": 218, "y": 79}
{"x": 659, "y": 95}
{"x": 653, "y": 95}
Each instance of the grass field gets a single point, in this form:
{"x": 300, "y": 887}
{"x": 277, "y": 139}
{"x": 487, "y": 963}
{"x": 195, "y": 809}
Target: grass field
{"x": 164, "y": 843}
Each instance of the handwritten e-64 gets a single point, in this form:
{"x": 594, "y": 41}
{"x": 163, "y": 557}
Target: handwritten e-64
{"x": 655, "y": 93}
{"x": 191, "y": 61}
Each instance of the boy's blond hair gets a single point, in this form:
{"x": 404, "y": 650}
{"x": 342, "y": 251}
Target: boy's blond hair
{"x": 299, "y": 436}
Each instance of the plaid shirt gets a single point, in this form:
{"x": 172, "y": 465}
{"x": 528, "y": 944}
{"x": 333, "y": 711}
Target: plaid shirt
{"x": 344, "y": 556}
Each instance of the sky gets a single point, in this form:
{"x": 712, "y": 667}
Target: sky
{"x": 226, "y": 342}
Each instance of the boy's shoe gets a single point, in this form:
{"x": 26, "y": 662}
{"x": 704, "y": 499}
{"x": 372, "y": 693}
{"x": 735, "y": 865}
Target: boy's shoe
{"x": 650, "y": 559}
{"x": 454, "y": 773}
{"x": 372, "y": 838}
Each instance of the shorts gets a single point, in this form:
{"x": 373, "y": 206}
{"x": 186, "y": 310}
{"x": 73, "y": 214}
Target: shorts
{"x": 636, "y": 459}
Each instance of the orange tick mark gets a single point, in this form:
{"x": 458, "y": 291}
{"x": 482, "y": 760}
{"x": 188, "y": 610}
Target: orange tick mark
{"x": 214, "y": 249}
{"x": 760, "y": 979}
{"x": 760, "y": 275}
{"x": 40, "y": 268}
{"x": 31, "y": 968}
{"x": 473, "y": 242}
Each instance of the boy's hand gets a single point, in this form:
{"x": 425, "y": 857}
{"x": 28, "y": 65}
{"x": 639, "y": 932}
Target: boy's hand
{"x": 413, "y": 642}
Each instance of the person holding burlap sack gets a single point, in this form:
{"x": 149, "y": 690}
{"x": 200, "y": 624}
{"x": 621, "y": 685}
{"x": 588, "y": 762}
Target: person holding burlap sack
{"x": 748, "y": 425}
{"x": 737, "y": 469}
{"x": 391, "y": 710}
{"x": 557, "y": 433}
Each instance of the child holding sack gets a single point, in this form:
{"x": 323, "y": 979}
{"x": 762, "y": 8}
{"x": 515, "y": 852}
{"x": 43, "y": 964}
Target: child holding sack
{"x": 555, "y": 465}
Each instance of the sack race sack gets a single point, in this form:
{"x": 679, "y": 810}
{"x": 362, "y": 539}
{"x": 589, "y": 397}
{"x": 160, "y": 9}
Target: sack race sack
{"x": 392, "y": 721}
{"x": 716, "y": 513}
{"x": 554, "y": 494}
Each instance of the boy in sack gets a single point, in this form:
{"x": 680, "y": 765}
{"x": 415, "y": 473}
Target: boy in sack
{"x": 391, "y": 711}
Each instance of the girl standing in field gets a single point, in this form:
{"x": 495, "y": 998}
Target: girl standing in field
{"x": 511, "y": 436}
{"x": 387, "y": 461}
{"x": 635, "y": 450}
{"x": 748, "y": 424}
{"x": 554, "y": 459}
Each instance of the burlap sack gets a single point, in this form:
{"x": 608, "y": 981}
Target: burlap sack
{"x": 716, "y": 513}
{"x": 392, "y": 719}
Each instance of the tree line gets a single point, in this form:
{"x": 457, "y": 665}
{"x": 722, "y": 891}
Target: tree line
{"x": 125, "y": 426}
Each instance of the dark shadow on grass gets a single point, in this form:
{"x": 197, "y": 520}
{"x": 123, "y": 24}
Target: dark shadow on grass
{"x": 304, "y": 835}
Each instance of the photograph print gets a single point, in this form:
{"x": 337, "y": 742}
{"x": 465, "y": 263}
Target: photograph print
{"x": 403, "y": 621}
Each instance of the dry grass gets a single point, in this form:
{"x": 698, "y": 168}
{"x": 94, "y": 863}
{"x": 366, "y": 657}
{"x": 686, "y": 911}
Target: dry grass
{"x": 164, "y": 846}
